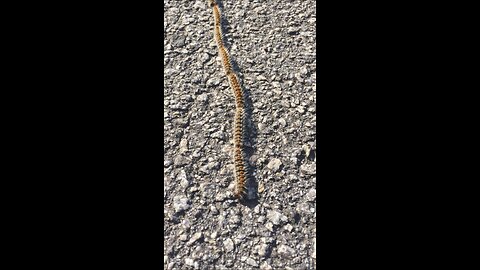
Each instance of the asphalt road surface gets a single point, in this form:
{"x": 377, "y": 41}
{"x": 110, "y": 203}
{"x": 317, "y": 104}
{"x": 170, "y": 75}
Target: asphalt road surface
{"x": 273, "y": 47}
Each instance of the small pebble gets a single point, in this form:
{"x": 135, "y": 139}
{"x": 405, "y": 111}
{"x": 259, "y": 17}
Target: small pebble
{"x": 229, "y": 245}
{"x": 197, "y": 236}
{"x": 286, "y": 251}
{"x": 276, "y": 217}
{"x": 274, "y": 164}
{"x": 311, "y": 195}
{"x": 251, "y": 262}
{"x": 265, "y": 266}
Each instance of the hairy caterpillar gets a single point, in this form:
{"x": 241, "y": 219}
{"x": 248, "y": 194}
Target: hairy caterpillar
{"x": 239, "y": 120}
{"x": 218, "y": 36}
{"x": 216, "y": 14}
{"x": 227, "y": 65}
{"x": 237, "y": 90}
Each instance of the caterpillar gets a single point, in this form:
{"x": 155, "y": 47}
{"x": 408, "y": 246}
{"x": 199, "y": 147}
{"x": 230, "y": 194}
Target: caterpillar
{"x": 227, "y": 65}
{"x": 237, "y": 90}
{"x": 216, "y": 14}
{"x": 218, "y": 35}
{"x": 239, "y": 119}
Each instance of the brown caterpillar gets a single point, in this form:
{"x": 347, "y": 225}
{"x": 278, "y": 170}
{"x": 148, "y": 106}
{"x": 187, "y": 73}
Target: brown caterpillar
{"x": 227, "y": 65}
{"x": 218, "y": 36}
{"x": 216, "y": 14}
{"x": 239, "y": 120}
{"x": 237, "y": 89}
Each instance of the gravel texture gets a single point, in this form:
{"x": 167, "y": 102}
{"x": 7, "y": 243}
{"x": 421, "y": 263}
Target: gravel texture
{"x": 272, "y": 45}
